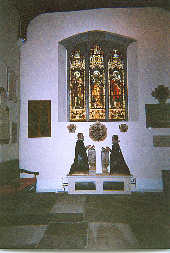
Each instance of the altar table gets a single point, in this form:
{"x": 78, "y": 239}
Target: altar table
{"x": 99, "y": 184}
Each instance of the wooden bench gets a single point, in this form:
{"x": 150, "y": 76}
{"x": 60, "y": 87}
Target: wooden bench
{"x": 10, "y": 181}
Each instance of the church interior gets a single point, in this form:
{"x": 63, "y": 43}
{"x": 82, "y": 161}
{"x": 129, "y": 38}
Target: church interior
{"x": 84, "y": 124}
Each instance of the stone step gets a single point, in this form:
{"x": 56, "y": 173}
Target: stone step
{"x": 44, "y": 219}
{"x": 66, "y": 217}
{"x": 20, "y": 220}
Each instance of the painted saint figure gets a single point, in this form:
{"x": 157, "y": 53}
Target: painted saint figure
{"x": 77, "y": 92}
{"x": 115, "y": 89}
{"x": 80, "y": 165}
{"x": 117, "y": 162}
{"x": 97, "y": 90}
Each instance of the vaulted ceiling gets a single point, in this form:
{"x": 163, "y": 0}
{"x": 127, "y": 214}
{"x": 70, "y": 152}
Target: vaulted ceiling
{"x": 28, "y": 9}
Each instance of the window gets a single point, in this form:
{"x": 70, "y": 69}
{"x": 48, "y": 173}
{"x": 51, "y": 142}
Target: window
{"x": 97, "y": 77}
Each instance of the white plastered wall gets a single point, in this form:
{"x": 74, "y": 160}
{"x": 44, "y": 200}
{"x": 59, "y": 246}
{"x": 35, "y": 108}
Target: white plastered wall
{"x": 42, "y": 64}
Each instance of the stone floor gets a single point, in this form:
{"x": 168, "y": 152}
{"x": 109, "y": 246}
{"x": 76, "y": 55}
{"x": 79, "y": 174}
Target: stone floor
{"x": 21, "y": 237}
{"x": 107, "y": 236}
{"x": 95, "y": 222}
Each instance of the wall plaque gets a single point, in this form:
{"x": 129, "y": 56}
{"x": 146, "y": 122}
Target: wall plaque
{"x": 3, "y": 96}
{"x": 39, "y": 118}
{"x": 161, "y": 141}
{"x": 14, "y": 132}
{"x": 157, "y": 115}
{"x": 11, "y": 85}
{"x": 98, "y": 131}
{"x": 4, "y": 125}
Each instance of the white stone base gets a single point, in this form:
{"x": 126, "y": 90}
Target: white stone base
{"x": 98, "y": 180}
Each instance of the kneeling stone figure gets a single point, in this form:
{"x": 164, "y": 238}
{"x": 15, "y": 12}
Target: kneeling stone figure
{"x": 80, "y": 165}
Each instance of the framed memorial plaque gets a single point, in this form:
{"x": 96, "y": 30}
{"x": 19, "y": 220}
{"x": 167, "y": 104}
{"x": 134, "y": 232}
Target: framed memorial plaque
{"x": 4, "y": 125}
{"x": 161, "y": 140}
{"x": 11, "y": 85}
{"x": 39, "y": 118}
{"x": 14, "y": 132}
{"x": 157, "y": 115}
{"x": 3, "y": 75}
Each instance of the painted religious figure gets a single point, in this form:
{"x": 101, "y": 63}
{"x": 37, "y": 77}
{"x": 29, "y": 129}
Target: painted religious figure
{"x": 117, "y": 86}
{"x": 115, "y": 89}
{"x": 117, "y": 162}
{"x": 77, "y": 86}
{"x": 77, "y": 94}
{"x": 97, "y": 92}
{"x": 96, "y": 84}
{"x": 80, "y": 165}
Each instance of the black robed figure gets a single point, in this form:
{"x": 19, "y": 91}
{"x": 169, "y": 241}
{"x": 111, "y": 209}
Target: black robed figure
{"x": 117, "y": 162}
{"x": 80, "y": 165}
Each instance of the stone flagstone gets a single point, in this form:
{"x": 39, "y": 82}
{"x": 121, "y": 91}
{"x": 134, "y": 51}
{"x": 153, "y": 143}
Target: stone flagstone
{"x": 108, "y": 236}
{"x": 21, "y": 237}
{"x": 65, "y": 235}
{"x": 69, "y": 204}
